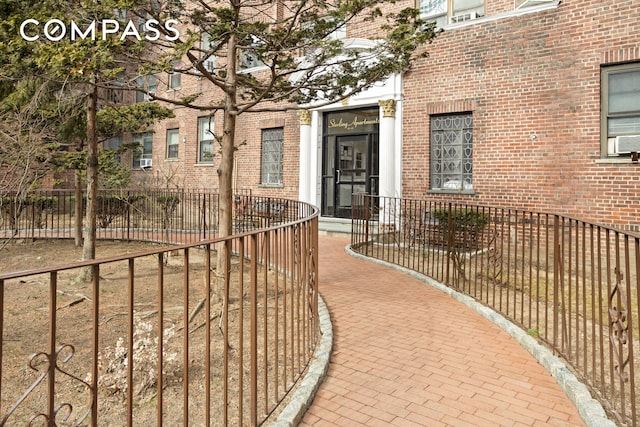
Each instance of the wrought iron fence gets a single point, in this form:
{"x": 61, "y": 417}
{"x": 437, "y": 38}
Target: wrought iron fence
{"x": 153, "y": 215}
{"x": 213, "y": 332}
{"x": 571, "y": 284}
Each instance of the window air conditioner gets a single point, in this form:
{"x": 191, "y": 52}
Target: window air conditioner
{"x": 468, "y": 16}
{"x": 627, "y": 144}
{"x": 145, "y": 163}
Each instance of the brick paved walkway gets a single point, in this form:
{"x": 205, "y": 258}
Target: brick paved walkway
{"x": 406, "y": 354}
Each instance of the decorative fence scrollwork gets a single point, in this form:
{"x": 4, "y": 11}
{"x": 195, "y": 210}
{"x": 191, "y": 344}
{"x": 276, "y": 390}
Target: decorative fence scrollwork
{"x": 619, "y": 326}
{"x": 48, "y": 365}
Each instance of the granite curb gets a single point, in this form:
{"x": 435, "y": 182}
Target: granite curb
{"x": 318, "y": 367}
{"x": 590, "y": 410}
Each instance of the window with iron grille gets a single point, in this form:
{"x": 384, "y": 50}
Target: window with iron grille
{"x": 272, "y": 156}
{"x": 452, "y": 152}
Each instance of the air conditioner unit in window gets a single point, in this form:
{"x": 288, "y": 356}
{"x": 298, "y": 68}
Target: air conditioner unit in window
{"x": 145, "y": 163}
{"x": 468, "y": 16}
{"x": 627, "y": 144}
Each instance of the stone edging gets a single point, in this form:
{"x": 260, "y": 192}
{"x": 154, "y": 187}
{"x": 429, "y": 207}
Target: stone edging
{"x": 590, "y": 410}
{"x": 318, "y": 367}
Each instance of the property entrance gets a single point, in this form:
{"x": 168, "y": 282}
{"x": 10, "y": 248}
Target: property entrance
{"x": 349, "y": 159}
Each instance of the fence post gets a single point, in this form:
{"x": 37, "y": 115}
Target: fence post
{"x": 204, "y": 216}
{"x": 367, "y": 204}
{"x": 33, "y": 217}
{"x": 128, "y": 216}
{"x": 449, "y": 243}
{"x": 556, "y": 277}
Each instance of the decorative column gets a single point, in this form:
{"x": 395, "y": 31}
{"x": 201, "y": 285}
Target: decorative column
{"x": 387, "y": 162}
{"x": 304, "y": 179}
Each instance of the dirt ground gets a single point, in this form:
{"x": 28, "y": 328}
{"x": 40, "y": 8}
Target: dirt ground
{"x": 26, "y": 344}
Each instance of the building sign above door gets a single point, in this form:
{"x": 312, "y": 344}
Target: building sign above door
{"x": 355, "y": 121}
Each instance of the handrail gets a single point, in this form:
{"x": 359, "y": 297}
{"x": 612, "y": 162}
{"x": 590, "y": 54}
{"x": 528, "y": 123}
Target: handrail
{"x": 570, "y": 284}
{"x": 210, "y": 343}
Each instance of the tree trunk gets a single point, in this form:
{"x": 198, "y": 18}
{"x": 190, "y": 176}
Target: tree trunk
{"x": 89, "y": 247}
{"x": 225, "y": 169}
{"x": 225, "y": 175}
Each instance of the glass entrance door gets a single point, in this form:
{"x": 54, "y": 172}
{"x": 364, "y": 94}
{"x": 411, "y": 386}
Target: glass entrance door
{"x": 349, "y": 158}
{"x": 351, "y": 171}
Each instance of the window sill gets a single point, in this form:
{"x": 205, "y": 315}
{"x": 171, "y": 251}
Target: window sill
{"x": 252, "y": 69}
{"x": 204, "y": 164}
{"x": 616, "y": 161}
{"x": 463, "y": 192}
{"x": 271, "y": 185}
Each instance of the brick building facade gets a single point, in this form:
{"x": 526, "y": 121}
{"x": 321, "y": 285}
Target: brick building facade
{"x": 533, "y": 84}
{"x": 529, "y": 104}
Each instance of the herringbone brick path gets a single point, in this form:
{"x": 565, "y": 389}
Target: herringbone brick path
{"x": 405, "y": 354}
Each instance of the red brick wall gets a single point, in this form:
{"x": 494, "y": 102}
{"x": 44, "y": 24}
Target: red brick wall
{"x": 533, "y": 74}
{"x": 249, "y": 154}
{"x": 186, "y": 172}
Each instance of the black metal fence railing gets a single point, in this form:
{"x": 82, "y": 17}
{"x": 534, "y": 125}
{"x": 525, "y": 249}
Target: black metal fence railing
{"x": 569, "y": 283}
{"x": 208, "y": 333}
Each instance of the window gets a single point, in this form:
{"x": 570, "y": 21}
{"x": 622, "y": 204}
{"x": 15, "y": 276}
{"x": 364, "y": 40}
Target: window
{"x": 120, "y": 14}
{"x": 208, "y": 60}
{"x": 114, "y": 144}
{"x": 148, "y": 84}
{"x": 114, "y": 94}
{"x": 173, "y": 136}
{"x": 175, "y": 78}
{"x": 338, "y": 34}
{"x": 142, "y": 21}
{"x": 175, "y": 7}
{"x": 205, "y": 139}
{"x": 620, "y": 110}
{"x": 249, "y": 56}
{"x": 143, "y": 152}
{"x": 451, "y": 11}
{"x": 272, "y": 156}
{"x": 452, "y": 152}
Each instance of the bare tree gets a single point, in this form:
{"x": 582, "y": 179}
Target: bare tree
{"x": 25, "y": 155}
